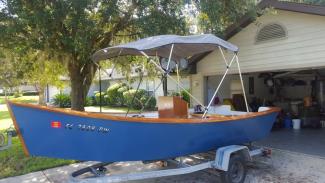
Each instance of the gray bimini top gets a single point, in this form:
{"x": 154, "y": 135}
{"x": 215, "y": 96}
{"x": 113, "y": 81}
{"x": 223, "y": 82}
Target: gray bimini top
{"x": 184, "y": 47}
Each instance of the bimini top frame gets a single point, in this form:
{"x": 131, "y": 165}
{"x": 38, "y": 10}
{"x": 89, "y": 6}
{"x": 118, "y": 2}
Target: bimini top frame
{"x": 175, "y": 48}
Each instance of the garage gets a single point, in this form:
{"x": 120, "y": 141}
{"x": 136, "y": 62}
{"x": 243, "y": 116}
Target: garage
{"x": 300, "y": 95}
{"x": 282, "y": 58}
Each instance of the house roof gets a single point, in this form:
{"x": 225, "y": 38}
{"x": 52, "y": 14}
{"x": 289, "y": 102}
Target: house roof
{"x": 280, "y": 5}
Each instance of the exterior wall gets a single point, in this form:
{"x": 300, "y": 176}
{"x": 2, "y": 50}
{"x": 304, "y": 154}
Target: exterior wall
{"x": 303, "y": 48}
{"x": 94, "y": 87}
{"x": 26, "y": 88}
{"x": 197, "y": 85}
{"x": 151, "y": 84}
{"x": 260, "y": 89}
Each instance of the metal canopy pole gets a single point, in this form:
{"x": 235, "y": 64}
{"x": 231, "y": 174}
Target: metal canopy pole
{"x": 100, "y": 90}
{"x": 170, "y": 56}
{"x": 179, "y": 84}
{"x": 215, "y": 93}
{"x": 242, "y": 83}
{"x": 100, "y": 83}
{"x": 178, "y": 90}
{"x": 223, "y": 55}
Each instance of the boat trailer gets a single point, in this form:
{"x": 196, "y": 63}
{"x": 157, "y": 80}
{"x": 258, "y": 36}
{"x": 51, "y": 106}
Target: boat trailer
{"x": 229, "y": 161}
{"x": 10, "y": 133}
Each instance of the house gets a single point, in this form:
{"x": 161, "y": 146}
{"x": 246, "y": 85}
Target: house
{"x": 112, "y": 76}
{"x": 23, "y": 88}
{"x": 282, "y": 58}
{"x": 153, "y": 85}
{"x": 291, "y": 39}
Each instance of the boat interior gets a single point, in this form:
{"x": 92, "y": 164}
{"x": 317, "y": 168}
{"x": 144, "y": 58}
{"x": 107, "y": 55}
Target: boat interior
{"x": 175, "y": 107}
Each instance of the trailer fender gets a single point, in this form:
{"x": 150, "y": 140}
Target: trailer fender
{"x": 223, "y": 155}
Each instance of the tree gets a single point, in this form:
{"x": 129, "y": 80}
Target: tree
{"x": 11, "y": 71}
{"x": 73, "y": 30}
{"x": 34, "y": 68}
{"x": 216, "y": 16}
{"x": 42, "y": 72}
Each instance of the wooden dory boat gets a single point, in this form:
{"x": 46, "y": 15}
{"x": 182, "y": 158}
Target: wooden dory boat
{"x": 67, "y": 134}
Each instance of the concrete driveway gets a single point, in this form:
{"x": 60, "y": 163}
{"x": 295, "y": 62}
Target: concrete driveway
{"x": 283, "y": 167}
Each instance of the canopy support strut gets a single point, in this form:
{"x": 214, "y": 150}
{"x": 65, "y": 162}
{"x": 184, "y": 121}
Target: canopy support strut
{"x": 163, "y": 71}
{"x": 223, "y": 56}
{"x": 170, "y": 56}
{"x": 215, "y": 93}
{"x": 242, "y": 82}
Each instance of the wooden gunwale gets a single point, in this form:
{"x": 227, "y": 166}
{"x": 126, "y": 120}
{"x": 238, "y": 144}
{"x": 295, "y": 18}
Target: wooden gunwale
{"x": 147, "y": 120}
{"x": 17, "y": 129}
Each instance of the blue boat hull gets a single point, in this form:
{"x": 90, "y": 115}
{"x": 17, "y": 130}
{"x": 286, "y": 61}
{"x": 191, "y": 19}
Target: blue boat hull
{"x": 69, "y": 136}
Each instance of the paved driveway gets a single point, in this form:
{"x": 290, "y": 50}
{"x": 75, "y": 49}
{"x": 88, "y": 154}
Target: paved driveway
{"x": 283, "y": 167}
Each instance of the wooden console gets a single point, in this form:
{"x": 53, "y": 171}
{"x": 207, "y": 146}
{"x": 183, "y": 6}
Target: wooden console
{"x": 172, "y": 107}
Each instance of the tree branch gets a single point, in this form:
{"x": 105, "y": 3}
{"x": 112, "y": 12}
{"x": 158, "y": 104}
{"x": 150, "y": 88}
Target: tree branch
{"x": 133, "y": 34}
{"x": 123, "y": 22}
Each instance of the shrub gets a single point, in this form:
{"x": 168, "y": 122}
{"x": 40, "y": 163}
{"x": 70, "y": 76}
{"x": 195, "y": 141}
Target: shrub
{"x": 97, "y": 98}
{"x": 18, "y": 94}
{"x": 140, "y": 99}
{"x": 151, "y": 103}
{"x": 115, "y": 94}
{"x": 62, "y": 100}
{"x": 31, "y": 93}
{"x": 128, "y": 97}
{"x": 89, "y": 101}
{"x": 186, "y": 96}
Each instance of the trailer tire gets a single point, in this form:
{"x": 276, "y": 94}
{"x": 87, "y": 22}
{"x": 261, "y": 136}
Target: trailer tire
{"x": 236, "y": 170}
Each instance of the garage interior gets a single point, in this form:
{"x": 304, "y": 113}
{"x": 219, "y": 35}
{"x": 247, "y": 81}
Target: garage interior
{"x": 300, "y": 126}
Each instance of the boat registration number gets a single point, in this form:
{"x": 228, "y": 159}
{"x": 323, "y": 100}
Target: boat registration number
{"x": 84, "y": 127}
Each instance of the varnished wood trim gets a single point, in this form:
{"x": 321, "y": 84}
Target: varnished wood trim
{"x": 17, "y": 129}
{"x": 148, "y": 120}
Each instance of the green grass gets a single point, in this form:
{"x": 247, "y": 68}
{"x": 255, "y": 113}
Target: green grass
{"x": 2, "y": 99}
{"x": 13, "y": 161}
{"x": 124, "y": 109}
{"x": 110, "y": 109}
{"x": 4, "y": 115}
{"x": 23, "y": 99}
{"x": 5, "y": 120}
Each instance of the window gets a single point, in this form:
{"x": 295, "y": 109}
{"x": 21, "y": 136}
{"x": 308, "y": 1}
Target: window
{"x": 270, "y": 32}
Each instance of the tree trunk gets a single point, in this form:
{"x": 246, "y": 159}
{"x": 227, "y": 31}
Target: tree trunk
{"x": 81, "y": 77}
{"x": 41, "y": 94}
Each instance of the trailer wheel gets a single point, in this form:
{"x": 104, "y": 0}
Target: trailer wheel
{"x": 2, "y": 139}
{"x": 236, "y": 170}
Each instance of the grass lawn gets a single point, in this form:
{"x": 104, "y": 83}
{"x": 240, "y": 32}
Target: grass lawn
{"x": 23, "y": 99}
{"x": 110, "y": 109}
{"x": 13, "y": 161}
{"x": 4, "y": 115}
{"x": 5, "y": 120}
